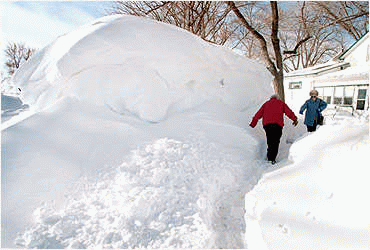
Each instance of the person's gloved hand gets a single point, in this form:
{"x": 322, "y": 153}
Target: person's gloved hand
{"x": 295, "y": 123}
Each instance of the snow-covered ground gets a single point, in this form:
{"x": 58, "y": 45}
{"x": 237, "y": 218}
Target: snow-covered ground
{"x": 317, "y": 199}
{"x": 142, "y": 140}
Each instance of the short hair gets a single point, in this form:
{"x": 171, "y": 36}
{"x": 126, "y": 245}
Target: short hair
{"x": 314, "y": 92}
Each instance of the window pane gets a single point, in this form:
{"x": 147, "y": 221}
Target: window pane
{"x": 339, "y": 91}
{"x": 327, "y": 93}
{"x": 327, "y": 99}
{"x": 320, "y": 91}
{"x": 360, "y": 105}
{"x": 347, "y": 101}
{"x": 295, "y": 85}
{"x": 337, "y": 100}
{"x": 362, "y": 94}
{"x": 349, "y": 91}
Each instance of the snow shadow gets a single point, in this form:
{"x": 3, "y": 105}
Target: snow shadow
{"x": 11, "y": 106}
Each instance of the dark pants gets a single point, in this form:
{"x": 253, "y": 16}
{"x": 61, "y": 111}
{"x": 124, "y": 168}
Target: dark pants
{"x": 273, "y": 134}
{"x": 312, "y": 128}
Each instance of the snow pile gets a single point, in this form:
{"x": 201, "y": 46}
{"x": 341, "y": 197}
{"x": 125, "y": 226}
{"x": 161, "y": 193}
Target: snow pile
{"x": 140, "y": 66}
{"x": 85, "y": 168}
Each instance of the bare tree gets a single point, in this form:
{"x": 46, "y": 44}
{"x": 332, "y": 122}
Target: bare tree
{"x": 206, "y": 19}
{"x": 323, "y": 30}
{"x": 16, "y": 54}
{"x": 310, "y": 37}
{"x": 243, "y": 39}
{"x": 312, "y": 41}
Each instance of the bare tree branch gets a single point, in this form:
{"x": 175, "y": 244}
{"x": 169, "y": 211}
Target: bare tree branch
{"x": 294, "y": 51}
{"x": 270, "y": 65}
{"x": 16, "y": 54}
{"x": 277, "y": 72}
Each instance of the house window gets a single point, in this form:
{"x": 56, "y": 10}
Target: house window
{"x": 362, "y": 94}
{"x": 360, "y": 105}
{"x": 338, "y": 100}
{"x": 361, "y": 99}
{"x": 295, "y": 85}
{"x": 344, "y": 95}
{"x": 327, "y": 99}
{"x": 349, "y": 93}
{"x": 347, "y": 101}
{"x": 326, "y": 94}
{"x": 338, "y": 95}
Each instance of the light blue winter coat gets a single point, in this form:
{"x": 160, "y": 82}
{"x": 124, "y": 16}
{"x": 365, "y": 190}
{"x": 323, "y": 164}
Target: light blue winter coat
{"x": 313, "y": 109}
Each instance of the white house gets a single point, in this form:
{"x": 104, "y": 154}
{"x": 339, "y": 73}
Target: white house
{"x": 341, "y": 82}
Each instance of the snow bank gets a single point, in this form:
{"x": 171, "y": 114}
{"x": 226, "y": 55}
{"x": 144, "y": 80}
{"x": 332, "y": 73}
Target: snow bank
{"x": 317, "y": 200}
{"x": 81, "y": 170}
{"x": 141, "y": 66}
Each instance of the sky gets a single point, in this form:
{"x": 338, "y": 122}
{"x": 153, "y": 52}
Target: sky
{"x": 37, "y": 24}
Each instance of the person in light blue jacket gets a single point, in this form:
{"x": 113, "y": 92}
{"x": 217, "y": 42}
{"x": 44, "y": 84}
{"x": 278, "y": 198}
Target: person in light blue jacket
{"x": 313, "y": 106}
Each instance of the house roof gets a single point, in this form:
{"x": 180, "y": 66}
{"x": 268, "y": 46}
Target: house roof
{"x": 318, "y": 69}
{"x": 356, "y": 73}
{"x": 335, "y": 63}
{"x": 354, "y": 46}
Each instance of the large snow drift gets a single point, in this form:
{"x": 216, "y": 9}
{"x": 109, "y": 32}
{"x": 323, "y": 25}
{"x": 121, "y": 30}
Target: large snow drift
{"x": 87, "y": 169}
{"x": 140, "y": 66}
{"x": 83, "y": 168}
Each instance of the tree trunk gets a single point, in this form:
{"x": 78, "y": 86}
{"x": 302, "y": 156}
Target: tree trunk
{"x": 279, "y": 85}
{"x": 277, "y": 72}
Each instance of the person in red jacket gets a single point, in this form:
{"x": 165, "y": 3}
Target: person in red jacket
{"x": 272, "y": 114}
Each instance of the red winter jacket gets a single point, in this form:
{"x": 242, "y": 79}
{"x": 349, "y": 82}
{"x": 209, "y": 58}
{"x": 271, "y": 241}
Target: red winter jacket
{"x": 273, "y": 111}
